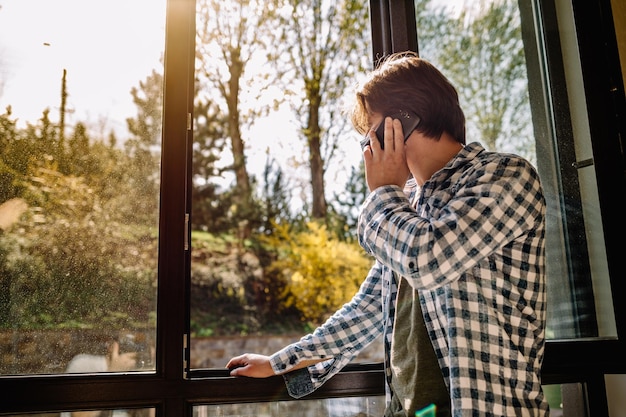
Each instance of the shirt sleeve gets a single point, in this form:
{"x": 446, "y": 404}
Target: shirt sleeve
{"x": 338, "y": 340}
{"x": 483, "y": 209}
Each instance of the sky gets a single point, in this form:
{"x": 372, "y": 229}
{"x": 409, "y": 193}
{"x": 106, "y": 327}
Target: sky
{"x": 37, "y": 43}
{"x": 41, "y": 38}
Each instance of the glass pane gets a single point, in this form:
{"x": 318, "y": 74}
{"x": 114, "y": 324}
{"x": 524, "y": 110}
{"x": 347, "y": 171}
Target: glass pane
{"x": 330, "y": 407}
{"x": 600, "y": 301}
{"x": 554, "y": 397}
{"x": 479, "y": 46}
{"x": 80, "y": 132}
{"x": 138, "y": 412}
{"x": 276, "y": 177}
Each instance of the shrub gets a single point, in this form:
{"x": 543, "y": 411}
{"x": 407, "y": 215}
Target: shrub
{"x": 322, "y": 271}
{"x": 69, "y": 263}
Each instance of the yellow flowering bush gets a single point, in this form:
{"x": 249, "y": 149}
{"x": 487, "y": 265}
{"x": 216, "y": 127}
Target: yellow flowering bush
{"x": 322, "y": 272}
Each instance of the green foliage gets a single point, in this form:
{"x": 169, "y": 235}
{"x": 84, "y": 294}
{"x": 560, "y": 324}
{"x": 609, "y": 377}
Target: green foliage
{"x": 275, "y": 197}
{"x": 322, "y": 271}
{"x": 483, "y": 54}
{"x": 68, "y": 263}
{"x": 344, "y": 215}
{"x": 209, "y": 202}
{"x": 231, "y": 36}
{"x": 288, "y": 279}
{"x": 142, "y": 154}
{"x": 82, "y": 253}
{"x": 232, "y": 293}
{"x": 9, "y": 151}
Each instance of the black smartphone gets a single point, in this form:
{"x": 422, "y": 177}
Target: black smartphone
{"x": 409, "y": 121}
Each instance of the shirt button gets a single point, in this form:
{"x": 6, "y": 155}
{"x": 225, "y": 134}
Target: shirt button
{"x": 411, "y": 265}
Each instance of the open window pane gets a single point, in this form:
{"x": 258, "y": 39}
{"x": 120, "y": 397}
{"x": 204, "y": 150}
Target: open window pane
{"x": 80, "y": 135}
{"x": 590, "y": 300}
{"x": 479, "y": 46}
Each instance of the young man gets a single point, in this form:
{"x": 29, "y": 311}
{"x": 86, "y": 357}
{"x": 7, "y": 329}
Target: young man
{"x": 458, "y": 287}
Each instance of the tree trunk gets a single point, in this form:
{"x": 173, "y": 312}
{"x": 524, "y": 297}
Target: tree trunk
{"x": 243, "y": 194}
{"x": 316, "y": 163}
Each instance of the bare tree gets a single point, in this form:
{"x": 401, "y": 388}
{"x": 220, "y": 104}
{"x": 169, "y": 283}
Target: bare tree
{"x": 323, "y": 46}
{"x": 230, "y": 35}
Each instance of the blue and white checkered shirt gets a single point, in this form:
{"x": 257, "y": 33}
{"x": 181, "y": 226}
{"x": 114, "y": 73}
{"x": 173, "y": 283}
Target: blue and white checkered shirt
{"x": 471, "y": 240}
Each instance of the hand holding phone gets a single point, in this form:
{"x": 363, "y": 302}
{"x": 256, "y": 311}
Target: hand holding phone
{"x": 408, "y": 119}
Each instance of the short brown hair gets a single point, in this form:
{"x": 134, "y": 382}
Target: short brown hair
{"x": 403, "y": 81}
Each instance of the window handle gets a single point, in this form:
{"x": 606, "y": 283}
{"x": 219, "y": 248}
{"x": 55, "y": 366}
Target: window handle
{"x": 582, "y": 164}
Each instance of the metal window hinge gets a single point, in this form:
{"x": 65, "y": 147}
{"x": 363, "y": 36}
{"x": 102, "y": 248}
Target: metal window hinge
{"x": 186, "y": 242}
{"x": 185, "y": 356}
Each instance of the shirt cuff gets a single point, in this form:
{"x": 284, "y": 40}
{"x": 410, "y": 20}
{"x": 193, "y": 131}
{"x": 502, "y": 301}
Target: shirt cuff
{"x": 285, "y": 359}
{"x": 299, "y": 383}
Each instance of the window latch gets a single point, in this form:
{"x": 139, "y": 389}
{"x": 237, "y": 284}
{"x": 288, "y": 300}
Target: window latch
{"x": 582, "y": 164}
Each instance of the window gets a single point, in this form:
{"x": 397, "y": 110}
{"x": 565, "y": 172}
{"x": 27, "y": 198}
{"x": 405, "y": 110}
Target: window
{"x": 81, "y": 99}
{"x": 575, "y": 105}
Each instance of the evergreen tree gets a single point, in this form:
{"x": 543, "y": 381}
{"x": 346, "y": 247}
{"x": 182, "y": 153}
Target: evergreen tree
{"x": 9, "y": 167}
{"x": 275, "y": 197}
{"x": 209, "y": 203}
{"x": 348, "y": 203}
{"x": 143, "y": 151}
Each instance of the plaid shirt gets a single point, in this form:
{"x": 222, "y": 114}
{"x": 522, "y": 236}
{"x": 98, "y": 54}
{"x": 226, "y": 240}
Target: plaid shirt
{"x": 472, "y": 241}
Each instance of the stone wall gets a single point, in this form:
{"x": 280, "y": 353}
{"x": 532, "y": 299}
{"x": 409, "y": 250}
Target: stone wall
{"x": 213, "y": 352}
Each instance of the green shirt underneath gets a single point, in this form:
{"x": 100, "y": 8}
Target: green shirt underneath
{"x": 416, "y": 379}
